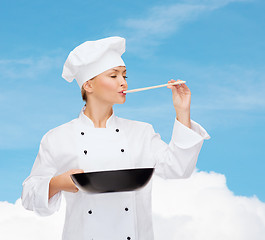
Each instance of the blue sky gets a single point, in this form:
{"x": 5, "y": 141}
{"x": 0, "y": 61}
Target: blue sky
{"x": 217, "y": 47}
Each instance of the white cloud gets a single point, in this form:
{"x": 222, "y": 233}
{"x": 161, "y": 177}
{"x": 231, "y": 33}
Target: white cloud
{"x": 18, "y": 223}
{"x": 201, "y": 207}
{"x": 161, "y": 21}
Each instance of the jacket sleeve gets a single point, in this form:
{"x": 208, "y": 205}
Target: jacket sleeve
{"x": 35, "y": 191}
{"x": 178, "y": 158}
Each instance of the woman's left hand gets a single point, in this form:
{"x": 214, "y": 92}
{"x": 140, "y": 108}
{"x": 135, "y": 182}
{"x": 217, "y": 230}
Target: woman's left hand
{"x": 181, "y": 95}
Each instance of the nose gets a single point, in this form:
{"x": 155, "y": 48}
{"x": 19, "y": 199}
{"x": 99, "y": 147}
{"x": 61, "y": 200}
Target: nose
{"x": 123, "y": 82}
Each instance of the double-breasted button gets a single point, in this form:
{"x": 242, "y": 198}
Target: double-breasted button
{"x": 82, "y": 133}
{"x": 117, "y": 130}
{"x": 128, "y": 238}
{"x": 85, "y": 151}
{"x": 90, "y": 211}
{"x": 122, "y": 150}
{"x": 126, "y": 209}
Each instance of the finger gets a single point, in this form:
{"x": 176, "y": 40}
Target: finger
{"x": 78, "y": 170}
{"x": 178, "y": 86}
{"x": 185, "y": 87}
{"x": 178, "y": 81}
{"x": 170, "y": 87}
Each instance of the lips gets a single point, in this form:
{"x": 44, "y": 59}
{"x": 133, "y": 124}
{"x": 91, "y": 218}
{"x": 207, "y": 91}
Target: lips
{"x": 121, "y": 92}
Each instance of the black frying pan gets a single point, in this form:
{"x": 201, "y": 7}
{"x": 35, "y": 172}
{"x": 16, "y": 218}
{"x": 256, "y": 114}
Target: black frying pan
{"x": 113, "y": 181}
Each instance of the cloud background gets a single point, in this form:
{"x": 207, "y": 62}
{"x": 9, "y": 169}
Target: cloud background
{"x": 217, "y": 47}
{"x": 201, "y": 207}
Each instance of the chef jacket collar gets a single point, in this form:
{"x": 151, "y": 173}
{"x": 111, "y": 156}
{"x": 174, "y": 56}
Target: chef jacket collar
{"x": 88, "y": 122}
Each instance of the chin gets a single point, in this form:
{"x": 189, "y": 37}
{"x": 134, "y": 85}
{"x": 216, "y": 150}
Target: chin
{"x": 121, "y": 102}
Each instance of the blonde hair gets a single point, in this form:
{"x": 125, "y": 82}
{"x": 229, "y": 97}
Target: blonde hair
{"x": 83, "y": 93}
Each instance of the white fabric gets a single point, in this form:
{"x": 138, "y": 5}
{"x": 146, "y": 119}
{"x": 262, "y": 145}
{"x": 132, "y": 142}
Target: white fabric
{"x": 62, "y": 149}
{"x": 92, "y": 58}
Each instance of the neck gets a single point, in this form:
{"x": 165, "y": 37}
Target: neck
{"x": 99, "y": 114}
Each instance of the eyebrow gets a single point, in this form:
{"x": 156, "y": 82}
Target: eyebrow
{"x": 118, "y": 70}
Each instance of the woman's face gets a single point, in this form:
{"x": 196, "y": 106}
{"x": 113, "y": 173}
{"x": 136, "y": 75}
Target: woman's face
{"x": 108, "y": 86}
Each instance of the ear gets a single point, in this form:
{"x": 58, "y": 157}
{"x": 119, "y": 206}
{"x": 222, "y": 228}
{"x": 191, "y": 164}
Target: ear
{"x": 88, "y": 86}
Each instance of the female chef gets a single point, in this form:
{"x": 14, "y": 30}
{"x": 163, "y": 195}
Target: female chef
{"x": 99, "y": 140}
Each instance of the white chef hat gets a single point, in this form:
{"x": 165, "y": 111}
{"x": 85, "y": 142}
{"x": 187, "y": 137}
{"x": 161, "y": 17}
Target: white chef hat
{"x": 92, "y": 58}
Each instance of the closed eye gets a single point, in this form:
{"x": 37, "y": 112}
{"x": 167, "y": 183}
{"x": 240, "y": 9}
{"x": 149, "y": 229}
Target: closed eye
{"x": 116, "y": 76}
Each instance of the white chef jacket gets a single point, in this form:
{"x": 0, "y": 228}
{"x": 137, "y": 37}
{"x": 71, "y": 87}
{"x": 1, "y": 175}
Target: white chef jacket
{"x": 122, "y": 144}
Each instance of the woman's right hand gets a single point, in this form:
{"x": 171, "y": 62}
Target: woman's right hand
{"x": 63, "y": 182}
{"x": 66, "y": 182}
